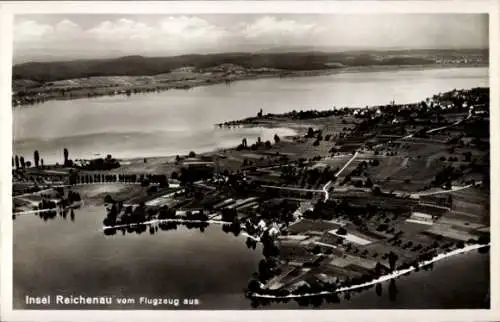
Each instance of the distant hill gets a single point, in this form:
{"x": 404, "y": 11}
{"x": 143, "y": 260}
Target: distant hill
{"x": 363, "y": 49}
{"x": 147, "y": 66}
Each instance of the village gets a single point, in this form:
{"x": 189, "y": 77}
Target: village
{"x": 356, "y": 194}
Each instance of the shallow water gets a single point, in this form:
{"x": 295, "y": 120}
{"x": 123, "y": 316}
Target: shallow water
{"x": 177, "y": 121}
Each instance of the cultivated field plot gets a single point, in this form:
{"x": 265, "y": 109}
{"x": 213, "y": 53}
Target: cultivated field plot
{"x": 420, "y": 238}
{"x": 413, "y": 227}
{"x": 442, "y": 199}
{"x": 467, "y": 217}
{"x": 349, "y": 261}
{"x": 418, "y": 169}
{"x": 335, "y": 162}
{"x": 152, "y": 165}
{"x": 420, "y": 147}
{"x": 308, "y": 277}
{"x": 461, "y": 224}
{"x": 355, "y": 238}
{"x": 386, "y": 202}
{"x": 146, "y": 196}
{"x": 294, "y": 149}
{"x": 268, "y": 178}
{"x": 469, "y": 197}
{"x": 253, "y": 156}
{"x": 401, "y": 186}
{"x": 311, "y": 240}
{"x": 31, "y": 198}
{"x": 230, "y": 161}
{"x": 333, "y": 124}
{"x": 386, "y": 167}
{"x": 308, "y": 149}
{"x": 471, "y": 205}
{"x": 341, "y": 272}
{"x": 430, "y": 209}
{"x": 448, "y": 231}
{"x": 211, "y": 199}
{"x": 351, "y": 167}
{"x": 331, "y": 239}
{"x": 22, "y": 204}
{"x": 94, "y": 194}
{"x": 399, "y": 173}
{"x": 19, "y": 188}
{"x": 162, "y": 198}
{"x": 296, "y": 255}
{"x": 306, "y": 225}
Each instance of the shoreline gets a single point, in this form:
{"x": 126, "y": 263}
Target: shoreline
{"x": 267, "y": 291}
{"x": 256, "y": 295}
{"x": 202, "y": 152}
{"x": 210, "y": 151}
{"x": 39, "y": 211}
{"x": 384, "y": 278}
{"x": 120, "y": 90}
{"x": 181, "y": 221}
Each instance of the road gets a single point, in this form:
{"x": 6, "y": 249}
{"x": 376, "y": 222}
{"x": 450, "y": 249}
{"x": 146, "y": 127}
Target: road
{"x": 33, "y": 193}
{"x": 324, "y": 189}
{"x": 440, "y": 128}
{"x": 293, "y": 188}
{"x": 434, "y": 206}
{"x": 32, "y": 212}
{"x": 442, "y": 191}
{"x": 347, "y": 164}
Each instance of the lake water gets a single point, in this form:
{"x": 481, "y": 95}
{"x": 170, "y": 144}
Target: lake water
{"x": 177, "y": 121}
{"x": 64, "y": 257}
{"x": 459, "y": 282}
{"x": 75, "y": 258}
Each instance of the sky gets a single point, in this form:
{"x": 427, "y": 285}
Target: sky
{"x": 87, "y": 36}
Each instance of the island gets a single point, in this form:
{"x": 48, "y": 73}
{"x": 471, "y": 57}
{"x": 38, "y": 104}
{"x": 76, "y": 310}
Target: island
{"x": 357, "y": 197}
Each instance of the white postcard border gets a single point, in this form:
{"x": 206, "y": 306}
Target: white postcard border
{"x": 9, "y": 9}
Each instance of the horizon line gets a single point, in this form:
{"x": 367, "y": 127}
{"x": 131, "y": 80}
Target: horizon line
{"x": 264, "y": 51}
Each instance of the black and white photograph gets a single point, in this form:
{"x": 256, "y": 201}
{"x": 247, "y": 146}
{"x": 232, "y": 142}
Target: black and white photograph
{"x": 249, "y": 161}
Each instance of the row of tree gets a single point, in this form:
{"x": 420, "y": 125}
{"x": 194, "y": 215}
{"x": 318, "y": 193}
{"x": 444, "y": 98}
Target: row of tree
{"x": 46, "y": 215}
{"x": 258, "y": 144}
{"x": 20, "y": 163}
{"x": 153, "y": 229}
{"x": 145, "y": 180}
